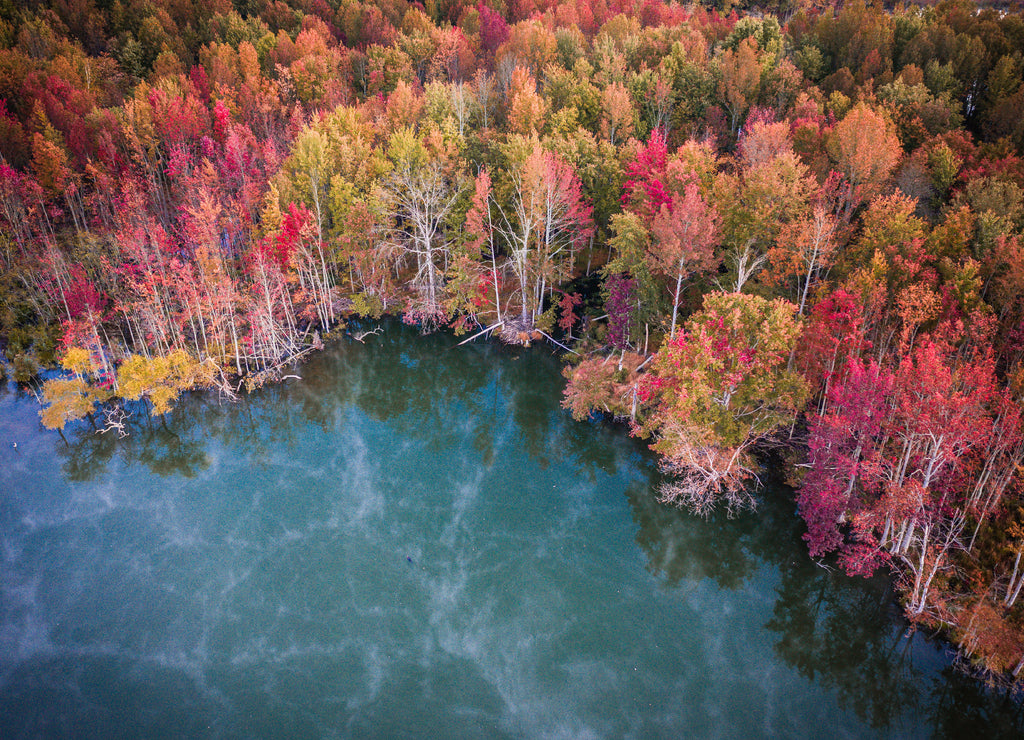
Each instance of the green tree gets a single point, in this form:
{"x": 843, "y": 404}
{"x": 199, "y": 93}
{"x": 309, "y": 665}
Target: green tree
{"x": 716, "y": 389}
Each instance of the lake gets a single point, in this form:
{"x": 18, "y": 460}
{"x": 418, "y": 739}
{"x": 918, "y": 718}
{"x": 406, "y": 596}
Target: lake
{"x": 415, "y": 540}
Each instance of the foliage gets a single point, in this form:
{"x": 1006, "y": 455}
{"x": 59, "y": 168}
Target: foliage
{"x": 67, "y": 399}
{"x": 194, "y": 191}
{"x": 162, "y": 379}
{"x": 716, "y": 389}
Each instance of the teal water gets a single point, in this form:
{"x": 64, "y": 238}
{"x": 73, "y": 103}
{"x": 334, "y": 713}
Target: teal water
{"x": 414, "y": 540}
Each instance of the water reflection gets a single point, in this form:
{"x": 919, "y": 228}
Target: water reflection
{"x": 422, "y": 387}
{"x": 677, "y": 545}
{"x": 727, "y": 550}
{"x": 411, "y": 522}
{"x": 849, "y": 634}
{"x": 172, "y": 449}
{"x": 966, "y": 708}
{"x": 841, "y": 632}
{"x": 845, "y": 633}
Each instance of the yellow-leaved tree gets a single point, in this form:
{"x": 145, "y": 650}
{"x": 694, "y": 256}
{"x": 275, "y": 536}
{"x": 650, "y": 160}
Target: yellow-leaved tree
{"x": 69, "y": 399}
{"x": 163, "y": 379}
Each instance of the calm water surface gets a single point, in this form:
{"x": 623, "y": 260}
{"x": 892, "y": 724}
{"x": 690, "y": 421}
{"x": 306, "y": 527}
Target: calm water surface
{"x": 415, "y": 541}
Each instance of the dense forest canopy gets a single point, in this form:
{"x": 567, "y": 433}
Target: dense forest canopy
{"x": 792, "y": 226}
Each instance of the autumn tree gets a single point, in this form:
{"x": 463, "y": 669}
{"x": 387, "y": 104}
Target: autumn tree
{"x": 804, "y": 251}
{"x": 617, "y": 113}
{"x": 888, "y": 457}
{"x": 716, "y": 390}
{"x": 832, "y": 334}
{"x": 632, "y": 294}
{"x": 481, "y": 244}
{"x": 604, "y": 385}
{"x": 544, "y": 221}
{"x": 843, "y": 442}
{"x": 684, "y": 236}
{"x": 526, "y": 108}
{"x": 71, "y": 398}
{"x": 755, "y": 203}
{"x": 418, "y": 194}
{"x": 299, "y": 247}
{"x": 740, "y": 83}
{"x": 161, "y": 380}
{"x": 866, "y": 150}
{"x": 644, "y": 190}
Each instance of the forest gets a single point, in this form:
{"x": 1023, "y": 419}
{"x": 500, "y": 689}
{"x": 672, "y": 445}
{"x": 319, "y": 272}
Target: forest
{"x": 786, "y": 231}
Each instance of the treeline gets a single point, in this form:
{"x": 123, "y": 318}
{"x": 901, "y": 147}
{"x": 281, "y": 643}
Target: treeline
{"x": 801, "y": 233}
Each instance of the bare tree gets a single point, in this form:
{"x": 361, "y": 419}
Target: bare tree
{"x": 418, "y": 199}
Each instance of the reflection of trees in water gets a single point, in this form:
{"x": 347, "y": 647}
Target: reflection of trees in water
{"x": 682, "y": 547}
{"x": 601, "y": 446}
{"x": 967, "y": 708}
{"x": 177, "y": 444}
{"x": 848, "y": 634}
{"x": 428, "y": 388}
{"x": 169, "y": 448}
{"x": 423, "y": 387}
{"x": 85, "y": 453}
{"x": 413, "y": 383}
{"x": 845, "y": 633}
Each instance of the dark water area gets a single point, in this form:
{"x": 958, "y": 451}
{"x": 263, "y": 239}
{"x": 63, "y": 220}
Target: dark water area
{"x": 414, "y": 540}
